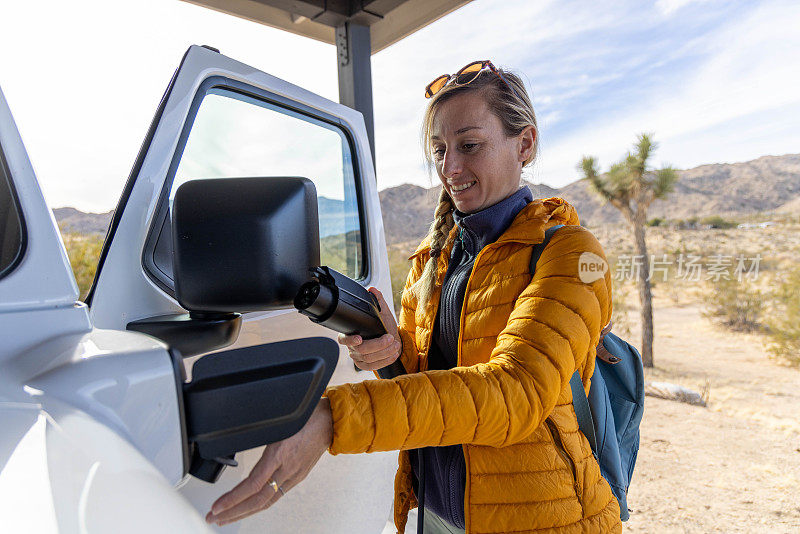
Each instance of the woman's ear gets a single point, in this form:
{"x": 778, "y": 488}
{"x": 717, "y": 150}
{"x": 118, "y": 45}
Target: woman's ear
{"x": 527, "y": 143}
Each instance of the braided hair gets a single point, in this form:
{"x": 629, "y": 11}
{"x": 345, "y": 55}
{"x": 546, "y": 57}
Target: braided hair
{"x": 439, "y": 232}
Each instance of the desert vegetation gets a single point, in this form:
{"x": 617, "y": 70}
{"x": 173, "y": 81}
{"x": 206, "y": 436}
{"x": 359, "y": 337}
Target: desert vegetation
{"x": 631, "y": 185}
{"x": 736, "y": 304}
{"x": 83, "y": 252}
{"x": 783, "y": 324}
{"x": 743, "y": 280}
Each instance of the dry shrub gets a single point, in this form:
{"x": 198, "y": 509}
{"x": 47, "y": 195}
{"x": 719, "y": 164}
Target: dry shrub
{"x": 735, "y": 304}
{"x": 783, "y": 323}
{"x": 399, "y": 265}
{"x": 715, "y": 221}
{"x": 620, "y": 293}
{"x": 84, "y": 253}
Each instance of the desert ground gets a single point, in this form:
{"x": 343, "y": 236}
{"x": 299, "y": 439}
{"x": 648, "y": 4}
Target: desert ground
{"x": 733, "y": 466}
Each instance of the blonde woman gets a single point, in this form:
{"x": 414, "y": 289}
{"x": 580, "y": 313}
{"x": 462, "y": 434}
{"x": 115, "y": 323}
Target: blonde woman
{"x": 489, "y": 348}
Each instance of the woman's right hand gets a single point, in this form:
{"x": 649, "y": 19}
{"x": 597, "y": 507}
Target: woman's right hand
{"x": 373, "y": 354}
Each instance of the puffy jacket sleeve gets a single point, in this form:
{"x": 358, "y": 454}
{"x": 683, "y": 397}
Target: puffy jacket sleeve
{"x": 552, "y": 330}
{"x": 407, "y": 327}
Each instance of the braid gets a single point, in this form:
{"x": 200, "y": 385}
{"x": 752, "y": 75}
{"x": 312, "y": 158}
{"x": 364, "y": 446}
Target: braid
{"x": 439, "y": 233}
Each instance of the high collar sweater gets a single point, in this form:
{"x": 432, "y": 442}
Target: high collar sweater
{"x": 445, "y": 468}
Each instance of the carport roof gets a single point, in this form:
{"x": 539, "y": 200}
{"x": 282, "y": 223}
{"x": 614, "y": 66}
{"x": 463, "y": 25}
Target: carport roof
{"x": 389, "y": 20}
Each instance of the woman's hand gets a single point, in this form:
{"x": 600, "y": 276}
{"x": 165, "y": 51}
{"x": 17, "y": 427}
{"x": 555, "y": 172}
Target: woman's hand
{"x": 372, "y": 354}
{"x": 286, "y": 462}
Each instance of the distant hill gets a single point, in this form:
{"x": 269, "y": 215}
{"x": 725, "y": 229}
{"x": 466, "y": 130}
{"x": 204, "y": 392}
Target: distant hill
{"x": 331, "y": 221}
{"x": 74, "y": 221}
{"x": 333, "y": 217}
{"x": 727, "y": 189}
{"x": 769, "y": 183}
{"x": 408, "y": 209}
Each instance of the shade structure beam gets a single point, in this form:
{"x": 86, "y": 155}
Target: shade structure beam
{"x": 353, "y": 52}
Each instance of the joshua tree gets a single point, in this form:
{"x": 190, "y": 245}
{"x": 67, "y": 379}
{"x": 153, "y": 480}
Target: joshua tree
{"x": 630, "y": 186}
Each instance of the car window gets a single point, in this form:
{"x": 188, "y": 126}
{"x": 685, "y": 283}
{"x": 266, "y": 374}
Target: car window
{"x": 239, "y": 136}
{"x": 12, "y": 230}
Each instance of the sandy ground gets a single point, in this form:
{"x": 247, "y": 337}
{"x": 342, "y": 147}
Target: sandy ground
{"x": 733, "y": 466}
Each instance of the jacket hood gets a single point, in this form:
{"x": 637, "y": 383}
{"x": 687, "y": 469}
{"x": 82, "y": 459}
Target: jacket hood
{"x": 527, "y": 227}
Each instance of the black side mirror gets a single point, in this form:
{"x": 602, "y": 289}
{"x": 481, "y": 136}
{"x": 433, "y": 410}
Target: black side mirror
{"x": 243, "y": 244}
{"x": 239, "y": 244}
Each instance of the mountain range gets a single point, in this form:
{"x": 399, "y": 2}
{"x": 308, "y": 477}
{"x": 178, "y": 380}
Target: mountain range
{"x": 766, "y": 184}
{"x": 334, "y": 219}
{"x": 769, "y": 183}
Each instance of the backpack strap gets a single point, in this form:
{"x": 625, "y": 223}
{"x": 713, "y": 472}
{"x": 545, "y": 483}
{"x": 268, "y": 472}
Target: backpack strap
{"x": 538, "y": 248}
{"x": 582, "y": 410}
{"x": 579, "y": 400}
{"x": 602, "y": 351}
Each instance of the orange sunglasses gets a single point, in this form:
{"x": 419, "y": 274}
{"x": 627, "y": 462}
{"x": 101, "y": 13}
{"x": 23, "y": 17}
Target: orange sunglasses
{"x": 465, "y": 75}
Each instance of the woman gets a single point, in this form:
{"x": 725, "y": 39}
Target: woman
{"x": 488, "y": 348}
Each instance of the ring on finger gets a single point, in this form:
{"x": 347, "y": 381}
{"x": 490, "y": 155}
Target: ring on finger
{"x": 274, "y": 485}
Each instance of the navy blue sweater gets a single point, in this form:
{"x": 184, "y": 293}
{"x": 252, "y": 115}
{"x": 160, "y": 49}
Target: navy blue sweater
{"x": 445, "y": 468}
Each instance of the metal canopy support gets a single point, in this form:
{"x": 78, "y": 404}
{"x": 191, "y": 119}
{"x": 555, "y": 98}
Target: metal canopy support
{"x": 353, "y": 51}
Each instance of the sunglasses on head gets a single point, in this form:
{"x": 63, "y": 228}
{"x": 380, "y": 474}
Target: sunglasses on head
{"x": 465, "y": 75}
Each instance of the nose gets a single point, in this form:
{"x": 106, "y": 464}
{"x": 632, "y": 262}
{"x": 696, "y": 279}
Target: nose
{"x": 452, "y": 164}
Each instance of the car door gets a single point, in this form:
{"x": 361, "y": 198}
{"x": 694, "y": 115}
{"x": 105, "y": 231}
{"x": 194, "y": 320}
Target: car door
{"x": 218, "y": 119}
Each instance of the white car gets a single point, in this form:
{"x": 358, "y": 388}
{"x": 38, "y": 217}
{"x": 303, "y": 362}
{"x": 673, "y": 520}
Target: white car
{"x": 109, "y": 423}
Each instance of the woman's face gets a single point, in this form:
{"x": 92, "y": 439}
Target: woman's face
{"x": 477, "y": 163}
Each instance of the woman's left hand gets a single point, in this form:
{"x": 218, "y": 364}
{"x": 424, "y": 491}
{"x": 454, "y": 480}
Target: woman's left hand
{"x": 286, "y": 462}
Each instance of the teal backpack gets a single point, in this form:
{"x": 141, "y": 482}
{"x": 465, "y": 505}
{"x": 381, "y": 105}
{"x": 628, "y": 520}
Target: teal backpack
{"x": 610, "y": 416}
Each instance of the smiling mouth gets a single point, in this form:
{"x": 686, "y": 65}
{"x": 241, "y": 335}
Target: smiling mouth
{"x": 462, "y": 187}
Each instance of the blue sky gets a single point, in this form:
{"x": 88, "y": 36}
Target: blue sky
{"x": 715, "y": 81}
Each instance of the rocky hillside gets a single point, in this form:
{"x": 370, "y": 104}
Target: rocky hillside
{"x": 74, "y": 221}
{"x": 408, "y": 209}
{"x": 334, "y": 219}
{"x": 765, "y": 184}
{"x": 769, "y": 183}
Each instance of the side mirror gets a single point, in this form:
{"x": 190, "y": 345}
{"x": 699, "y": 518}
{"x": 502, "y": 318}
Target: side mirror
{"x": 239, "y": 244}
{"x": 243, "y": 244}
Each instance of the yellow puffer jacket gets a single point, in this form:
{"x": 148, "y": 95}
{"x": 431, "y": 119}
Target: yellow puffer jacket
{"x": 529, "y": 469}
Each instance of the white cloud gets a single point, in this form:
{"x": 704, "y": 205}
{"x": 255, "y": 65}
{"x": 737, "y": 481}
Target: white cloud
{"x": 668, "y": 7}
{"x": 508, "y": 33}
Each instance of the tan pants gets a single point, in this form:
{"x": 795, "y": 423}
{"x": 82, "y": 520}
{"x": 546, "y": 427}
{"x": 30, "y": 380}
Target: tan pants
{"x": 433, "y": 524}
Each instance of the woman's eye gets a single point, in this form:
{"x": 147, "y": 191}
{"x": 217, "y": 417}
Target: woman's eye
{"x": 469, "y": 147}
{"x": 438, "y": 152}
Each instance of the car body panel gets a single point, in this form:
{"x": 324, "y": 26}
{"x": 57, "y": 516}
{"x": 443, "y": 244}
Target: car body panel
{"x": 124, "y": 380}
{"x": 28, "y": 286}
{"x": 68, "y": 473}
{"x": 88, "y": 415}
